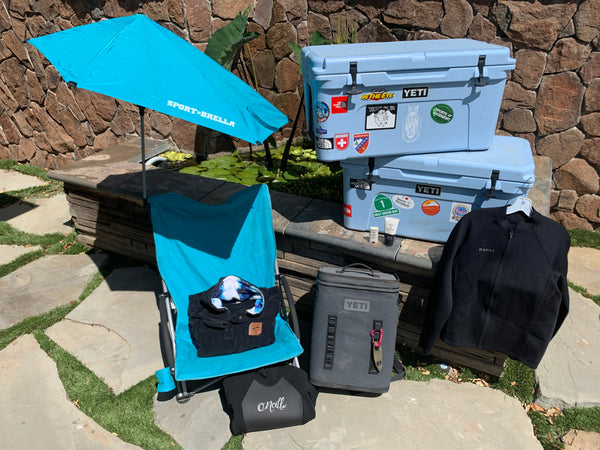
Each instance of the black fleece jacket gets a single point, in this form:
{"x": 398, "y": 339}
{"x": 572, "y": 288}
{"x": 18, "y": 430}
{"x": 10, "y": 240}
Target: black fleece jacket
{"x": 500, "y": 285}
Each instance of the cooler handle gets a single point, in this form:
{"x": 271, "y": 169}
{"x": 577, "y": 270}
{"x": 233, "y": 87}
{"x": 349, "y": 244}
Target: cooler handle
{"x": 349, "y": 267}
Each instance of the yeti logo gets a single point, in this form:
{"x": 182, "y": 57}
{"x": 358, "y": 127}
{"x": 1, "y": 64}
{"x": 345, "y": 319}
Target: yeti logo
{"x": 351, "y": 304}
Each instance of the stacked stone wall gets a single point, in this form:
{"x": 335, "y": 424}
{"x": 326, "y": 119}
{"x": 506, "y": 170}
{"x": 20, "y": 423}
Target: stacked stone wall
{"x": 552, "y": 98}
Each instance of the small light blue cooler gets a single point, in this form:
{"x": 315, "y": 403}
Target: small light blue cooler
{"x": 430, "y": 193}
{"x": 394, "y": 98}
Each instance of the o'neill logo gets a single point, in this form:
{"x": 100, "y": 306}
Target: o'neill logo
{"x": 270, "y": 405}
{"x": 199, "y": 112}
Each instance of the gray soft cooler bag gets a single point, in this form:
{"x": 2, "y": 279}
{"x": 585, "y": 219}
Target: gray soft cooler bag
{"x": 355, "y": 318}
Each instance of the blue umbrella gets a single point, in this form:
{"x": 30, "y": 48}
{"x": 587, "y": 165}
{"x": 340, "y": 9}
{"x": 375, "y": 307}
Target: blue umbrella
{"x": 136, "y": 60}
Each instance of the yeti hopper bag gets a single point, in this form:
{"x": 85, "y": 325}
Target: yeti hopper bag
{"x": 355, "y": 318}
{"x": 268, "y": 398}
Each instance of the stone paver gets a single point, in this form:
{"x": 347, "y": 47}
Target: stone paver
{"x": 9, "y": 253}
{"x": 581, "y": 440}
{"x": 584, "y": 268}
{"x": 569, "y": 372}
{"x": 44, "y": 284}
{"x": 40, "y": 215}
{"x": 35, "y": 412}
{"x": 11, "y": 180}
{"x": 114, "y": 332}
{"x": 437, "y": 414}
{"x": 200, "y": 423}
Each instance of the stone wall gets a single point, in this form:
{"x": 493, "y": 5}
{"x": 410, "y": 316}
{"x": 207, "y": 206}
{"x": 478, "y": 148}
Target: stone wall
{"x": 552, "y": 98}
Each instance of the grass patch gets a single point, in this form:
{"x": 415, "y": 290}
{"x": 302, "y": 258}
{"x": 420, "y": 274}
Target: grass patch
{"x": 50, "y": 243}
{"x": 20, "y": 261}
{"x": 549, "y": 431}
{"x": 235, "y": 443}
{"x": 517, "y": 379}
{"x": 46, "y": 320}
{"x": 585, "y": 293}
{"x": 52, "y": 187}
{"x": 585, "y": 238}
{"x": 7, "y": 164}
{"x": 129, "y": 415}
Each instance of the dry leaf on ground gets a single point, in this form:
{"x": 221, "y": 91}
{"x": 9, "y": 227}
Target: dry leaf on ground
{"x": 481, "y": 382}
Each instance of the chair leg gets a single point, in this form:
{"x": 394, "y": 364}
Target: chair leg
{"x": 291, "y": 305}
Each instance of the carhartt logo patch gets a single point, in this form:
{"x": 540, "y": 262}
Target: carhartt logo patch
{"x": 255, "y": 329}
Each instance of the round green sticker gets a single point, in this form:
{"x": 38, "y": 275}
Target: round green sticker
{"x": 382, "y": 202}
{"x": 442, "y": 113}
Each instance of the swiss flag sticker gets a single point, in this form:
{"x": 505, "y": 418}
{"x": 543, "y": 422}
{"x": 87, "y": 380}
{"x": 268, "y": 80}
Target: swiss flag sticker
{"x": 341, "y": 141}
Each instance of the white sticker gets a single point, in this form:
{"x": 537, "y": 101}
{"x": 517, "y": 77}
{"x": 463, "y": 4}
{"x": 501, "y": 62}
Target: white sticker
{"x": 411, "y": 127}
{"x": 403, "y": 201}
{"x": 458, "y": 211}
{"x": 381, "y": 117}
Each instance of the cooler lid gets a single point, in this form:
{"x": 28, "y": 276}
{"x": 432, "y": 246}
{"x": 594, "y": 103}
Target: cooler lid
{"x": 511, "y": 156}
{"x": 403, "y": 55}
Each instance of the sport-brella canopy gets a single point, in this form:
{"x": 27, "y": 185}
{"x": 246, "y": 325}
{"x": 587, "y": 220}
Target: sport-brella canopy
{"x": 137, "y": 60}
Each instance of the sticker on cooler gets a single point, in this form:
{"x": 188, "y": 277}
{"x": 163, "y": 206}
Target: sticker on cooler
{"x": 325, "y": 143}
{"x": 339, "y": 105}
{"x": 377, "y": 95}
{"x": 321, "y": 111}
{"x": 442, "y": 113}
{"x": 458, "y": 211}
{"x": 384, "y": 206}
{"x": 403, "y": 201}
{"x": 361, "y": 142}
{"x": 430, "y": 207}
{"x": 411, "y": 127}
{"x": 347, "y": 210}
{"x": 341, "y": 141}
{"x": 381, "y": 117}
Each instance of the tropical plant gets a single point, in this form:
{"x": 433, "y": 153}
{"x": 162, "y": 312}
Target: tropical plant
{"x": 225, "y": 44}
{"x": 316, "y": 38}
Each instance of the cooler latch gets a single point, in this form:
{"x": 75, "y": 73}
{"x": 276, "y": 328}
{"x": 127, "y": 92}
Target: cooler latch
{"x": 494, "y": 180}
{"x": 480, "y": 63}
{"x": 353, "y": 89}
{"x": 371, "y": 163}
{"x": 361, "y": 183}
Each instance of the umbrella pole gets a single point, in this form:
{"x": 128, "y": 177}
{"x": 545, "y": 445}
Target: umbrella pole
{"x": 144, "y": 193}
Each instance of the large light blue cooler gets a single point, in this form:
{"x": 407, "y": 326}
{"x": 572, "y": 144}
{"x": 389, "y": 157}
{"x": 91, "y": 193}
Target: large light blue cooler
{"x": 394, "y": 98}
{"x": 430, "y": 193}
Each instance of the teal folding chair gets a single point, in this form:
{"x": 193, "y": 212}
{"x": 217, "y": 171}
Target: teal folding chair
{"x": 196, "y": 245}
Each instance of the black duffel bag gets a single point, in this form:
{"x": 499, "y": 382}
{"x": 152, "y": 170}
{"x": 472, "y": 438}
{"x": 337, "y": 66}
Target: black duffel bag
{"x": 270, "y": 397}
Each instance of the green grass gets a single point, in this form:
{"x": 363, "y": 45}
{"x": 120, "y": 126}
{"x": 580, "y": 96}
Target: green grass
{"x": 517, "y": 379}
{"x": 129, "y": 415}
{"x": 585, "y": 238}
{"x": 550, "y": 430}
{"x": 52, "y": 187}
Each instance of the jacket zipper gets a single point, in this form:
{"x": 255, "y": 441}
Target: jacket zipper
{"x": 492, "y": 294}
